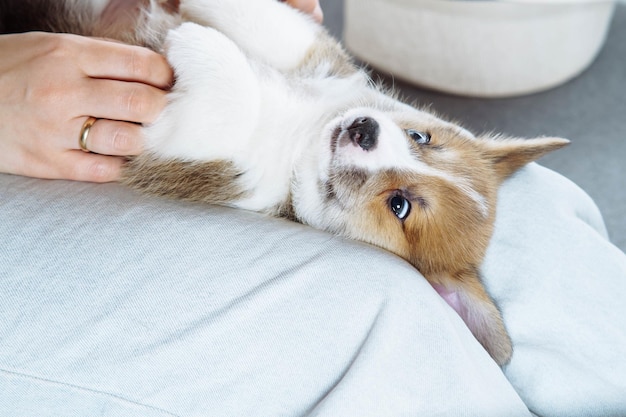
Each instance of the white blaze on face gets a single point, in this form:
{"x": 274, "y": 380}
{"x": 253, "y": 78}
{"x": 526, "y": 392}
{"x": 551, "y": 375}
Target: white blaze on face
{"x": 392, "y": 151}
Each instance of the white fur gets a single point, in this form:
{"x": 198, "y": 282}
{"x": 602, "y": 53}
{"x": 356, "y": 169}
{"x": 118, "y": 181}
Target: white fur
{"x": 391, "y": 151}
{"x": 245, "y": 22}
{"x": 234, "y": 100}
{"x": 214, "y": 108}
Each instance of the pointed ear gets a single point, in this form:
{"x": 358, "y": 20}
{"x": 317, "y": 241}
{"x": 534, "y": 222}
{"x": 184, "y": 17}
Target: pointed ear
{"x": 509, "y": 155}
{"x": 465, "y": 293}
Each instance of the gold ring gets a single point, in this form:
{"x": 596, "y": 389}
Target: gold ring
{"x": 84, "y": 133}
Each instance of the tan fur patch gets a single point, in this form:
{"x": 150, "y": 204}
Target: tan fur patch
{"x": 327, "y": 50}
{"x": 444, "y": 230}
{"x": 213, "y": 182}
{"x": 453, "y": 206}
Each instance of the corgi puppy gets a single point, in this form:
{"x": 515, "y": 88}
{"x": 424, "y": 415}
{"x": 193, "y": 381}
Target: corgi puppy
{"x": 269, "y": 113}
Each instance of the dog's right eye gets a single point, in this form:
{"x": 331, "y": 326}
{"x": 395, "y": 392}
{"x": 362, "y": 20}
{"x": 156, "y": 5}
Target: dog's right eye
{"x": 400, "y": 206}
{"x": 421, "y": 138}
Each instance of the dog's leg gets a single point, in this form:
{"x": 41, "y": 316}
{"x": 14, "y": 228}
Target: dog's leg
{"x": 267, "y": 30}
{"x": 197, "y": 149}
{"x": 214, "y": 105}
{"x": 214, "y": 142}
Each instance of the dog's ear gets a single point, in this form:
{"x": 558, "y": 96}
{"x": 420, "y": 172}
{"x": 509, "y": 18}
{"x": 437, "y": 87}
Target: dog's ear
{"x": 509, "y": 155}
{"x": 464, "y": 292}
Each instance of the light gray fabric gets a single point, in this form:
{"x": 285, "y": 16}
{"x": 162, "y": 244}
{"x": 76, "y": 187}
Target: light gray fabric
{"x": 561, "y": 286}
{"x": 116, "y": 304}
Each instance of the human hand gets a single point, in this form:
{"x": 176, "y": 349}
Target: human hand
{"x": 50, "y": 84}
{"x": 308, "y": 6}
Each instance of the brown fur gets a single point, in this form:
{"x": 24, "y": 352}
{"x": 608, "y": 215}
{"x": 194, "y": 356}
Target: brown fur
{"x": 327, "y": 50}
{"x": 445, "y": 235}
{"x": 210, "y": 182}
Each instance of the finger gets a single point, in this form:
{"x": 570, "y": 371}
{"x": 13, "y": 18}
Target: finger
{"x": 318, "y": 14}
{"x": 70, "y": 165}
{"x": 111, "y": 137}
{"x": 119, "y": 100}
{"x": 104, "y": 59}
{"x": 306, "y": 6}
{"x": 81, "y": 166}
{"x": 311, "y": 7}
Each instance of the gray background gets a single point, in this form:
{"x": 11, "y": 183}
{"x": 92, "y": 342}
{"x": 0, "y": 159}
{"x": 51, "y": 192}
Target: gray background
{"x": 590, "y": 110}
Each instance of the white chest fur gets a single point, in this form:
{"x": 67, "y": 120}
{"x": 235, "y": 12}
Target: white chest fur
{"x": 228, "y": 106}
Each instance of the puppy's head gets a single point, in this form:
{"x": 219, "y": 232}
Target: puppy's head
{"x": 424, "y": 189}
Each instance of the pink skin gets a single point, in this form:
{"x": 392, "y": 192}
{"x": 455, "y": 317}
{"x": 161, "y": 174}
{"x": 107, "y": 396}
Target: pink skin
{"x": 452, "y": 298}
{"x": 51, "y": 83}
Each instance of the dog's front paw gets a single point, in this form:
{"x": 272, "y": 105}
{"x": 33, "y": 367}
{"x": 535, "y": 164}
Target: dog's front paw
{"x": 194, "y": 51}
{"x": 268, "y": 30}
{"x": 214, "y": 105}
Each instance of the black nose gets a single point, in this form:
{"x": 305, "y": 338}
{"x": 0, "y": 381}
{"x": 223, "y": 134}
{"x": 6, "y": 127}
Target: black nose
{"x": 364, "y": 132}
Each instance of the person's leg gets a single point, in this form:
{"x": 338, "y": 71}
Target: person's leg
{"x": 561, "y": 286}
{"x": 117, "y": 305}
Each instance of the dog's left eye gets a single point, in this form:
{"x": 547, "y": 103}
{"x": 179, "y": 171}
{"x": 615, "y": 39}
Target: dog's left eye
{"x": 400, "y": 206}
{"x": 421, "y": 138}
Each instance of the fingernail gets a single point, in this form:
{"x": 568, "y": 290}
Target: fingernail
{"x": 318, "y": 14}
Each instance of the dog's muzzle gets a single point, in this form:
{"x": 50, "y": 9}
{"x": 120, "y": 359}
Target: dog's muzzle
{"x": 364, "y": 133}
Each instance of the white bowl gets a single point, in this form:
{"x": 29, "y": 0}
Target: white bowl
{"x": 478, "y": 48}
